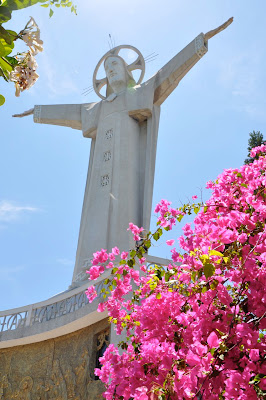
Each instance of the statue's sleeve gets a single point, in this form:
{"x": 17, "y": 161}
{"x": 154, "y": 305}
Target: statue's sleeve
{"x": 90, "y": 115}
{"x": 59, "y": 114}
{"x": 167, "y": 78}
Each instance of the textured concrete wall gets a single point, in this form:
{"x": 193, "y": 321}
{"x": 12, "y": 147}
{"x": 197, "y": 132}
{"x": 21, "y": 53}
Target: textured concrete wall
{"x": 56, "y": 369}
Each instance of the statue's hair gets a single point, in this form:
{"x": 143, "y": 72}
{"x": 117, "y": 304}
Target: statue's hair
{"x": 130, "y": 80}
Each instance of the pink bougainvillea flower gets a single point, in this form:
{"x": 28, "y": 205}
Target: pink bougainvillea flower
{"x": 213, "y": 340}
{"x": 254, "y": 354}
{"x": 124, "y": 255}
{"x": 91, "y": 293}
{"x": 170, "y": 242}
{"x": 95, "y": 271}
{"x": 194, "y": 327}
{"x": 135, "y": 230}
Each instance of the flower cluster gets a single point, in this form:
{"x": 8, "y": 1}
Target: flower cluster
{"x": 195, "y": 328}
{"x": 258, "y": 150}
{"x": 135, "y": 230}
{"x": 31, "y": 36}
{"x": 24, "y": 74}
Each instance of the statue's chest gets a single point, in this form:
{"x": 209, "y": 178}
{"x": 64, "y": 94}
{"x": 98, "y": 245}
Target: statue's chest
{"x": 130, "y": 103}
{"x": 134, "y": 104}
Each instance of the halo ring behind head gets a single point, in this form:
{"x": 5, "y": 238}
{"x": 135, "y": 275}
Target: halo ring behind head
{"x": 139, "y": 63}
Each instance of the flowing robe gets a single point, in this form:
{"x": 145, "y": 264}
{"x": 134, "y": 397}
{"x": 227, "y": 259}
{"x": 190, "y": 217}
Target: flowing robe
{"x": 122, "y": 157}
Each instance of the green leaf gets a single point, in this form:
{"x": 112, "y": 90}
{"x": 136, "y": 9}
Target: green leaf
{"x": 2, "y": 100}
{"x": 158, "y": 296}
{"x": 5, "y": 14}
{"x": 5, "y": 35}
{"x": 205, "y": 258}
{"x": 147, "y": 244}
{"x": 19, "y": 4}
{"x": 133, "y": 253}
{"x": 256, "y": 378}
{"x": 13, "y": 34}
{"x": 214, "y": 284}
{"x": 5, "y": 65}
{"x": 220, "y": 332}
{"x": 11, "y": 5}
{"x": 215, "y": 253}
{"x": 51, "y": 13}
{"x": 193, "y": 276}
{"x": 5, "y": 48}
{"x": 167, "y": 276}
{"x": 179, "y": 218}
{"x": 4, "y": 74}
{"x": 2, "y": 49}
{"x": 209, "y": 270}
{"x": 140, "y": 253}
{"x": 45, "y": 5}
{"x": 156, "y": 236}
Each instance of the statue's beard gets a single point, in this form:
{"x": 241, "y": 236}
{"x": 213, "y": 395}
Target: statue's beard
{"x": 118, "y": 85}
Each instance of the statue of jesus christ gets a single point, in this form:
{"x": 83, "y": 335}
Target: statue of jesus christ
{"x": 123, "y": 128}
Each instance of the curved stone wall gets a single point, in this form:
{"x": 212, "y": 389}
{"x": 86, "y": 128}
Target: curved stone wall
{"x": 59, "y": 315}
{"x": 48, "y": 350}
{"x": 57, "y": 369}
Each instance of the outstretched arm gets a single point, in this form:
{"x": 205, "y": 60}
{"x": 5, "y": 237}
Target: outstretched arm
{"x": 62, "y": 115}
{"x": 167, "y": 79}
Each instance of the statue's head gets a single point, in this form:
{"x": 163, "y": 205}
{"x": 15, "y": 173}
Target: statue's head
{"x": 118, "y": 72}
{"x": 118, "y": 76}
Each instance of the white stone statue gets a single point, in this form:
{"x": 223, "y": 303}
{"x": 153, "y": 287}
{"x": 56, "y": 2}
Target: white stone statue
{"x": 123, "y": 128}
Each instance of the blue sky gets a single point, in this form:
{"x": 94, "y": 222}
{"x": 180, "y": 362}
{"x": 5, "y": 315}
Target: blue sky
{"x": 204, "y": 124}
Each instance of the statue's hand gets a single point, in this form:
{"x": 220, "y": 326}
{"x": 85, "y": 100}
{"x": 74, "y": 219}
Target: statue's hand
{"x": 220, "y": 28}
{"x": 111, "y": 97}
{"x": 24, "y": 114}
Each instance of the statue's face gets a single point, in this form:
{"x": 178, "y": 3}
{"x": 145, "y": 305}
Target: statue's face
{"x": 115, "y": 71}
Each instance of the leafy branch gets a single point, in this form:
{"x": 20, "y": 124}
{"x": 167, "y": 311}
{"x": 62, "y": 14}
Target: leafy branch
{"x": 21, "y": 68}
